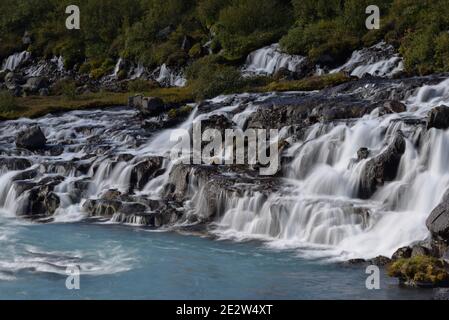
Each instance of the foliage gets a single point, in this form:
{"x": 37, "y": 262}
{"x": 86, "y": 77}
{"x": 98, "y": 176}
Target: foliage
{"x": 7, "y": 102}
{"x": 140, "y": 85}
{"x": 207, "y": 78}
{"x": 419, "y": 269}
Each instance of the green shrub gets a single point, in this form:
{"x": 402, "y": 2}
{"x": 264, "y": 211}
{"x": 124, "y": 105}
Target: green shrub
{"x": 141, "y": 86}
{"x": 65, "y": 88}
{"x": 7, "y": 102}
{"x": 196, "y": 51}
{"x": 419, "y": 269}
{"x": 181, "y": 112}
{"x": 208, "y": 79}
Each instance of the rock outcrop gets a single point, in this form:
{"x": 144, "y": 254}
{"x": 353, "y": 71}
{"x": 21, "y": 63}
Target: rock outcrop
{"x": 438, "y": 118}
{"x": 31, "y": 138}
{"x": 382, "y": 168}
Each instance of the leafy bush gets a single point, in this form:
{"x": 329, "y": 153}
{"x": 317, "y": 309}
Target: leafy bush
{"x": 140, "y": 85}
{"x": 419, "y": 269}
{"x": 65, "y": 88}
{"x": 181, "y": 112}
{"x": 207, "y": 78}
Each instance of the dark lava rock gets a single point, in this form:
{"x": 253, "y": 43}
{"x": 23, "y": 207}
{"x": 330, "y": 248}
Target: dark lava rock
{"x": 441, "y": 294}
{"x": 392, "y": 106}
{"x": 147, "y": 106}
{"x": 438, "y": 118}
{"x": 438, "y": 221}
{"x": 15, "y": 164}
{"x": 402, "y": 253}
{"x": 31, "y": 138}
{"x": 362, "y": 154}
{"x": 382, "y": 168}
{"x": 144, "y": 171}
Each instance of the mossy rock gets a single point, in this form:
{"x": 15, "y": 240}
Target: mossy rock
{"x": 420, "y": 271}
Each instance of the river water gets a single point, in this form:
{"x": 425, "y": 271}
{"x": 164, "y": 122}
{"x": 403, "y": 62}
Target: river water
{"x": 123, "y": 262}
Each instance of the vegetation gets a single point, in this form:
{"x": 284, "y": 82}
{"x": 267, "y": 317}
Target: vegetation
{"x": 154, "y": 31}
{"x": 309, "y": 84}
{"x": 419, "y": 270}
{"x": 7, "y": 103}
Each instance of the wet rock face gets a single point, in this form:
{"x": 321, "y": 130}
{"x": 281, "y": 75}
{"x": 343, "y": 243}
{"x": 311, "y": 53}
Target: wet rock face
{"x": 382, "y": 168}
{"x": 31, "y": 138}
{"x": 438, "y": 118}
{"x": 146, "y": 170}
{"x": 14, "y": 164}
{"x": 438, "y": 221}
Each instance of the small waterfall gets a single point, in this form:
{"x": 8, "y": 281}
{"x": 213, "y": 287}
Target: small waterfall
{"x": 380, "y": 60}
{"x": 170, "y": 78}
{"x": 269, "y": 60}
{"x": 117, "y": 68}
{"x": 14, "y": 61}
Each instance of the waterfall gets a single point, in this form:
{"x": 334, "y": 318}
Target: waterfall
{"x": 315, "y": 206}
{"x": 270, "y": 59}
{"x": 170, "y": 78}
{"x": 13, "y": 61}
{"x": 379, "y": 60}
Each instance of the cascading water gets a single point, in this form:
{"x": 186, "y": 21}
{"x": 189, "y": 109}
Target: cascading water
{"x": 170, "y": 78}
{"x": 315, "y": 207}
{"x": 379, "y": 60}
{"x": 269, "y": 60}
{"x": 14, "y": 61}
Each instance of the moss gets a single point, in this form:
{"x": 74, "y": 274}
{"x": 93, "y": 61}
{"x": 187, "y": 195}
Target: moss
{"x": 181, "y": 112}
{"x": 419, "y": 270}
{"x": 309, "y": 84}
{"x": 65, "y": 88}
{"x": 98, "y": 73}
{"x": 196, "y": 51}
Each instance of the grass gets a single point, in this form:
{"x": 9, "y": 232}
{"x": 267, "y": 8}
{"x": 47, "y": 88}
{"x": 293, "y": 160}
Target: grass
{"x": 308, "y": 84}
{"x": 36, "y": 106}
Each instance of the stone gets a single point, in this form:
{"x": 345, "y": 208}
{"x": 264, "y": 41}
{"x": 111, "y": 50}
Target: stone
{"x": 382, "y": 168}
{"x": 438, "y": 221}
{"x": 438, "y": 118}
{"x": 147, "y": 106}
{"x": 402, "y": 253}
{"x": 363, "y": 153}
{"x": 31, "y": 138}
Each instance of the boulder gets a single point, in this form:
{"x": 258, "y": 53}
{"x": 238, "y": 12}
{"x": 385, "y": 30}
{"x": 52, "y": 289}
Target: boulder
{"x": 147, "y": 106}
{"x": 35, "y": 84}
{"x": 438, "y": 221}
{"x": 392, "y": 106}
{"x": 362, "y": 153}
{"x": 382, "y": 168}
{"x": 14, "y": 164}
{"x": 31, "y": 138}
{"x": 402, "y": 253}
{"x": 13, "y": 80}
{"x": 438, "y": 118}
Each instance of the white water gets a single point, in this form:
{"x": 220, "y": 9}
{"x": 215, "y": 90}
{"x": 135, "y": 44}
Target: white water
{"x": 316, "y": 207}
{"x": 269, "y": 60}
{"x": 378, "y": 60}
{"x": 15, "y": 60}
{"x": 170, "y": 78}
